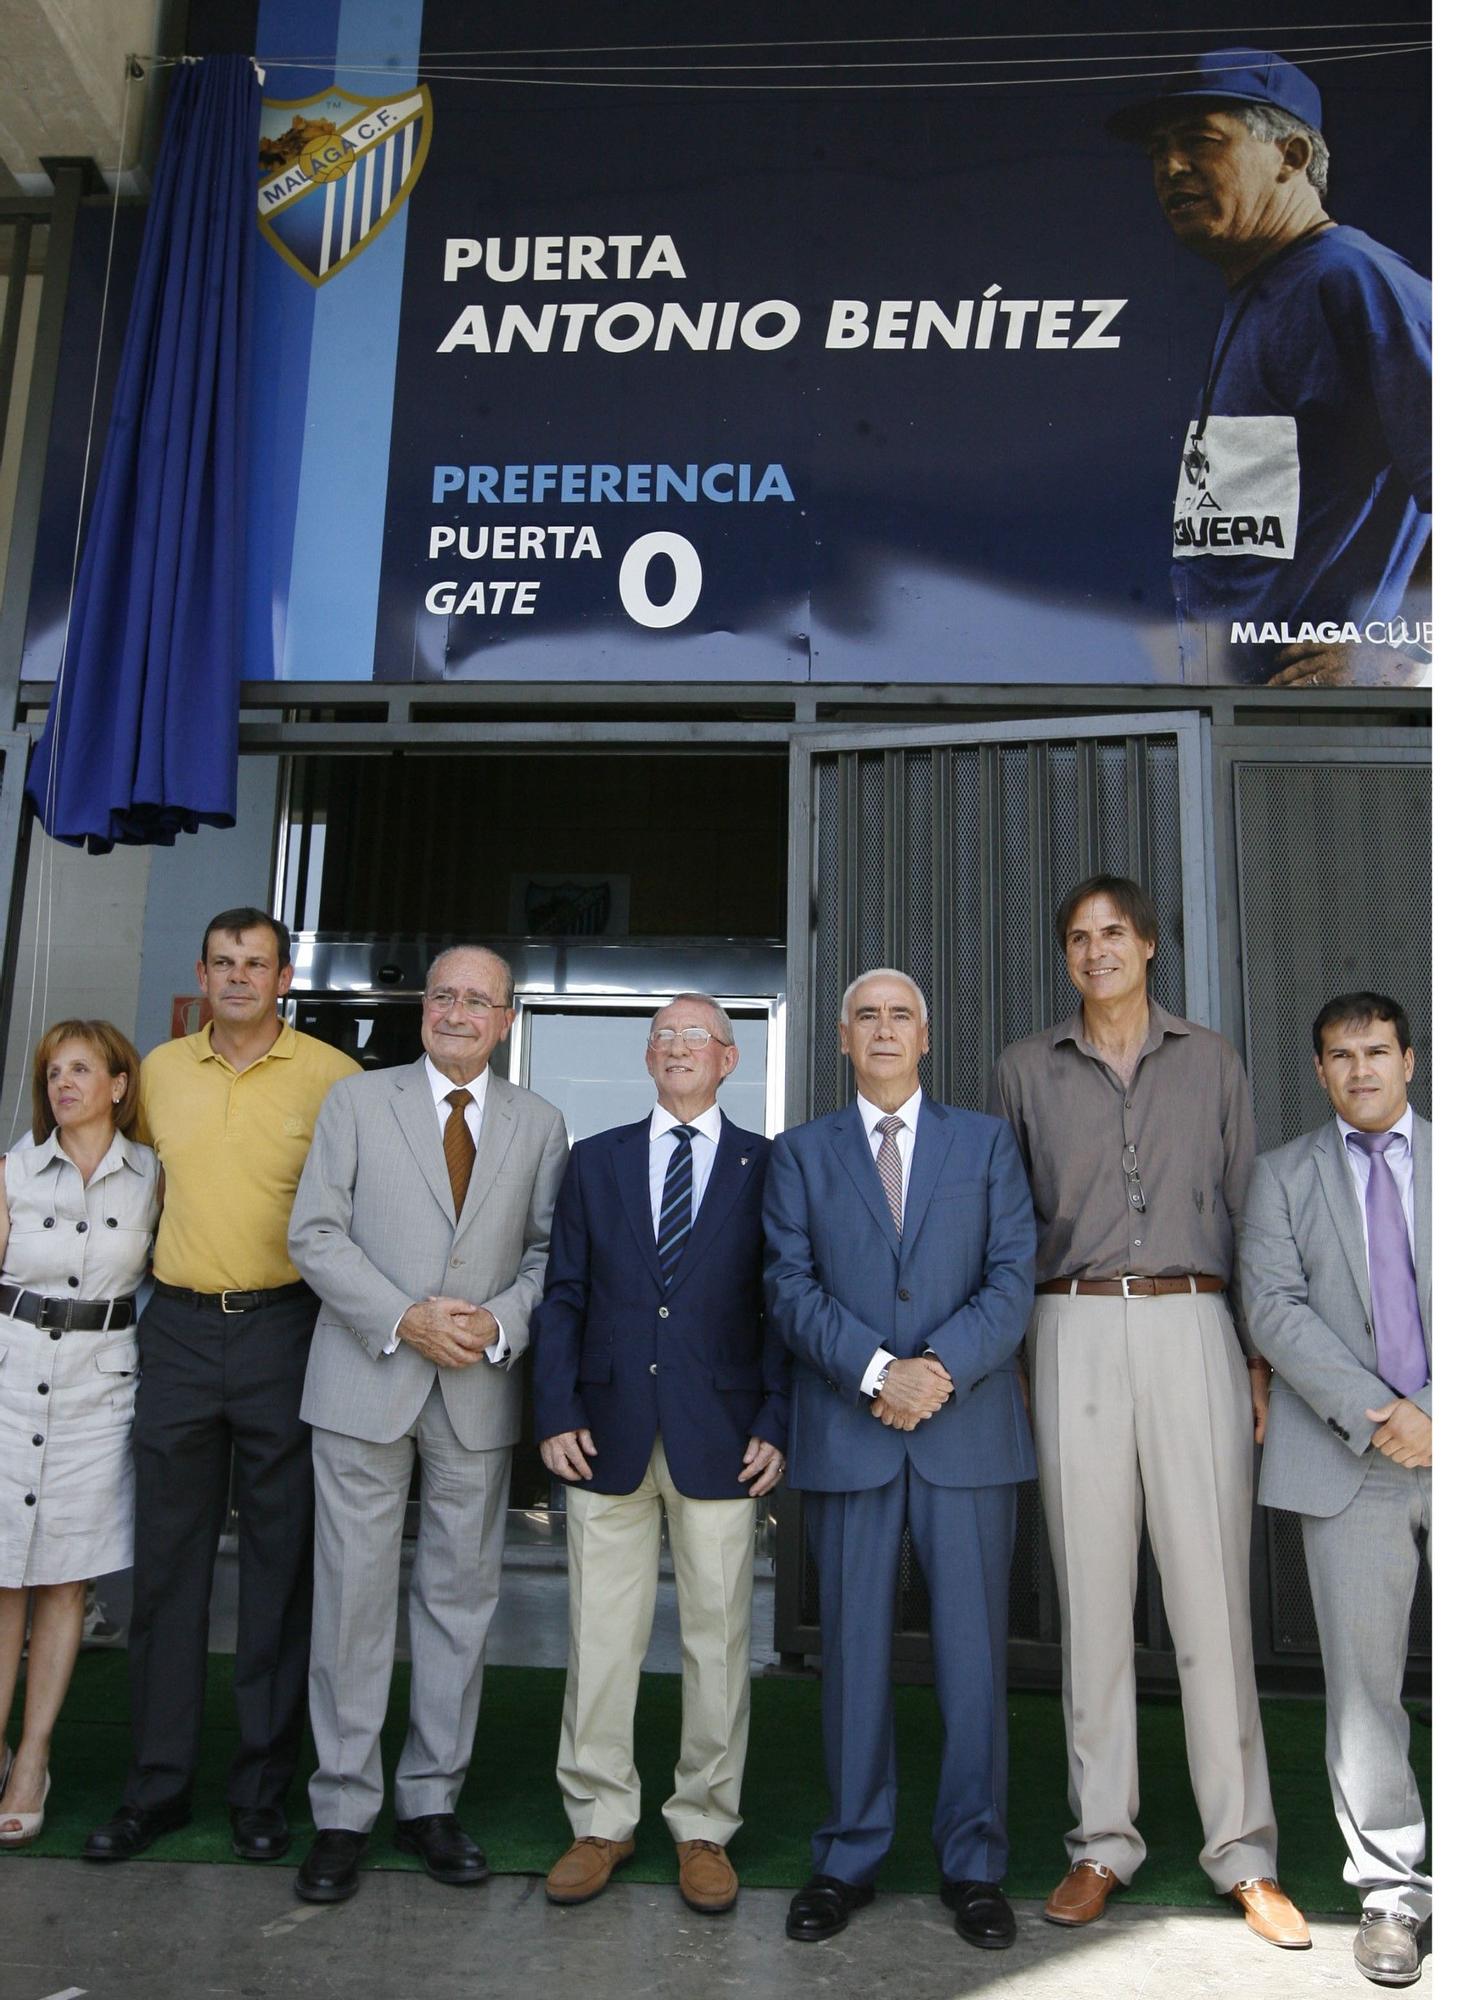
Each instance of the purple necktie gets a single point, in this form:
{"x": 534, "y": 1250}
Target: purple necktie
{"x": 1402, "y": 1359}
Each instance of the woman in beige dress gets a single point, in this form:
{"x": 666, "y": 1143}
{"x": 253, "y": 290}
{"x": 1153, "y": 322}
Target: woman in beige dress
{"x": 77, "y": 1214}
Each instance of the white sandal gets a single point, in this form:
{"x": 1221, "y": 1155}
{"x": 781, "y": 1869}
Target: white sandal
{"x": 29, "y": 1823}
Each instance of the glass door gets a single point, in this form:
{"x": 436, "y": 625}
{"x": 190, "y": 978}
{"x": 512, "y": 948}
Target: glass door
{"x": 586, "y": 1057}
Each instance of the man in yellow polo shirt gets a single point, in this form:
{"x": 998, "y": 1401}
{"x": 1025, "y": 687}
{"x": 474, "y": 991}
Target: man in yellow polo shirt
{"x": 224, "y": 1342}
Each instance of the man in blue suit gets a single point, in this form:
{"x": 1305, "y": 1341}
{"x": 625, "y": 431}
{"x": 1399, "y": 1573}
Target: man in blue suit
{"x": 899, "y": 1273}
{"x": 658, "y": 1392}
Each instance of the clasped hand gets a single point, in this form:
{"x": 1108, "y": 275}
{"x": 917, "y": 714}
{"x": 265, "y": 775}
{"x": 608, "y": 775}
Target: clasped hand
{"x": 913, "y": 1390}
{"x": 450, "y": 1332}
{"x": 1404, "y": 1432}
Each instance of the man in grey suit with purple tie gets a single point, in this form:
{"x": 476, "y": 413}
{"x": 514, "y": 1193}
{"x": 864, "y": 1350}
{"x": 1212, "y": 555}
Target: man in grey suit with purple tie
{"x": 1336, "y": 1274}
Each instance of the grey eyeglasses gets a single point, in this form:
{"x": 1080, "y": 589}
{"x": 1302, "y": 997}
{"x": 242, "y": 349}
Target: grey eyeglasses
{"x": 440, "y": 1000}
{"x": 1130, "y": 1163}
{"x": 692, "y": 1038}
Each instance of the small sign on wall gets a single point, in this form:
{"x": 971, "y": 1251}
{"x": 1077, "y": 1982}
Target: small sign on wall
{"x": 569, "y": 905}
{"x": 190, "y": 1011}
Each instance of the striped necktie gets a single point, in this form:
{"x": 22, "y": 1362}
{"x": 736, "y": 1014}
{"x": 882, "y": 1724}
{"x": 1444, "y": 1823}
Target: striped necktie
{"x": 460, "y": 1147}
{"x": 888, "y": 1165}
{"x": 676, "y": 1216}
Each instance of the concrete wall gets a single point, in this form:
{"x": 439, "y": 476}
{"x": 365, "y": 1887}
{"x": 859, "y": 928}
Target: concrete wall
{"x": 116, "y": 935}
{"x": 69, "y": 94}
{"x": 190, "y": 882}
{"x": 80, "y": 953}
{"x": 13, "y": 419}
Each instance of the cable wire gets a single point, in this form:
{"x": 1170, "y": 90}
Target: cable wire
{"x": 648, "y": 79}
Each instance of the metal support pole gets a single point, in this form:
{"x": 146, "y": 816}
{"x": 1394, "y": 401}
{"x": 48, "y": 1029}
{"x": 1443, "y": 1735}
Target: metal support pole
{"x": 14, "y": 305}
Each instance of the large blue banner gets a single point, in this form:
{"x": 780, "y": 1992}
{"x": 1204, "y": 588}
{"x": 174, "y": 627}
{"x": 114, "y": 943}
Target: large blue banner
{"x": 855, "y": 362}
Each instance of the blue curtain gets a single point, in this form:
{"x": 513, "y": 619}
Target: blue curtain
{"x": 141, "y": 742}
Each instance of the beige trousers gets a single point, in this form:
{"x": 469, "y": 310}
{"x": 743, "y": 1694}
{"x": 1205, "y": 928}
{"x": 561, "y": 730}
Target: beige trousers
{"x": 1141, "y": 1408}
{"x": 612, "y": 1548}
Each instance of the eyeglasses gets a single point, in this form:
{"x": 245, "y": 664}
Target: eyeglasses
{"x": 692, "y": 1038}
{"x": 441, "y": 999}
{"x": 1135, "y": 1187}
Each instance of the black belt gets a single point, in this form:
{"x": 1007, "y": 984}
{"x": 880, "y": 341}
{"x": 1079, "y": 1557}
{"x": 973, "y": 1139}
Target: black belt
{"x": 233, "y": 1302}
{"x": 66, "y": 1315}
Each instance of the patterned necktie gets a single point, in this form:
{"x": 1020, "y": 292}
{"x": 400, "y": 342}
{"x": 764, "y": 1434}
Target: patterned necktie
{"x": 1402, "y": 1359}
{"x": 888, "y": 1164}
{"x": 676, "y": 1216}
{"x": 460, "y": 1147}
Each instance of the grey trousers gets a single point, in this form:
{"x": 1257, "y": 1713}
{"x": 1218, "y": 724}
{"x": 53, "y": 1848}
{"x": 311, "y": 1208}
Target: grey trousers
{"x": 360, "y": 1491}
{"x": 1142, "y": 1406}
{"x": 1363, "y": 1567}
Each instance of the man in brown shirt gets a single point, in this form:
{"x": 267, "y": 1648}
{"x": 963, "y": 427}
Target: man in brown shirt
{"x": 1137, "y": 1134}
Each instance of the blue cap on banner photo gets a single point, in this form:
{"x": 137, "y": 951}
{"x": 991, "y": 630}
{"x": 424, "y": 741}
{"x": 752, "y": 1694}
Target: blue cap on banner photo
{"x": 1242, "y": 76}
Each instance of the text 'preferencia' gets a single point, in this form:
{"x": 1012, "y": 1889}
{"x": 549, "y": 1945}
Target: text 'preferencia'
{"x": 986, "y": 321}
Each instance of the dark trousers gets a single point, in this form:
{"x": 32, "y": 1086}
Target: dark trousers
{"x": 963, "y": 1538}
{"x": 212, "y": 1385}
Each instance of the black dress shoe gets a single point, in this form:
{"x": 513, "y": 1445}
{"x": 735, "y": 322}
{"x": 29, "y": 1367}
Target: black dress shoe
{"x": 981, "y": 1913}
{"x": 824, "y": 1906}
{"x": 330, "y": 1873}
{"x": 260, "y": 1833}
{"x": 448, "y": 1851}
{"x": 132, "y": 1829}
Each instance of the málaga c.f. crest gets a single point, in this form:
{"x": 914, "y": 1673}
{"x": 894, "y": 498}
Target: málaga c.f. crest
{"x": 333, "y": 169}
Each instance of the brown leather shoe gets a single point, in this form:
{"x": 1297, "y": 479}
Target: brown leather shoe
{"x": 585, "y": 1870}
{"x": 1271, "y": 1914}
{"x": 706, "y": 1878}
{"x": 1081, "y": 1895}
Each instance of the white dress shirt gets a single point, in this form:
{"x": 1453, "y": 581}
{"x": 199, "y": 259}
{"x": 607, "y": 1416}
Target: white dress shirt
{"x": 661, "y": 1148}
{"x": 871, "y": 1116}
{"x": 440, "y": 1089}
{"x": 1399, "y": 1158}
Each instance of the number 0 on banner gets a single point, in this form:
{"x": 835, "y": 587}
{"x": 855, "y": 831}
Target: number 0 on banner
{"x": 688, "y": 580}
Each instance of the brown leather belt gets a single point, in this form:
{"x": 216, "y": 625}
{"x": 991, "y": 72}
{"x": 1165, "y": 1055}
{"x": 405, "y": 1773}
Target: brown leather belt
{"x": 1133, "y": 1287}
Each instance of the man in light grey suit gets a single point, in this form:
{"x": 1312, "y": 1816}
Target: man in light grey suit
{"x": 422, "y": 1222}
{"x": 1336, "y": 1273}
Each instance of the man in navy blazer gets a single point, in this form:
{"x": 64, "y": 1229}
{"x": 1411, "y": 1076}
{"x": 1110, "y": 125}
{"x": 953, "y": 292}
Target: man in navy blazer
{"x": 899, "y": 1273}
{"x": 658, "y": 1392}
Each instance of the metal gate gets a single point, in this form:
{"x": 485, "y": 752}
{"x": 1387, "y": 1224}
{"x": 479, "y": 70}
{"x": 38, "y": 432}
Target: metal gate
{"x": 946, "y": 852}
{"x": 1327, "y": 851}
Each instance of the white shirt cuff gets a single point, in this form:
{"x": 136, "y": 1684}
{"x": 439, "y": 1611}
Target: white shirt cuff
{"x": 499, "y": 1355}
{"x": 882, "y": 1358}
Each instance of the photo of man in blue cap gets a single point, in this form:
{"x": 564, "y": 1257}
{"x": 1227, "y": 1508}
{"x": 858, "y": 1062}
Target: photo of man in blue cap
{"x": 1304, "y": 499}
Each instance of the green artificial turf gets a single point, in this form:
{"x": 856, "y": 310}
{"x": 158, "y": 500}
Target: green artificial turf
{"x": 510, "y": 1801}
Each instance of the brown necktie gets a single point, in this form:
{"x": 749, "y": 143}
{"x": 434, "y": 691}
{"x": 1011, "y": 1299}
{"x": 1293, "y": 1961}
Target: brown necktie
{"x": 460, "y": 1147}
